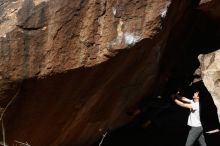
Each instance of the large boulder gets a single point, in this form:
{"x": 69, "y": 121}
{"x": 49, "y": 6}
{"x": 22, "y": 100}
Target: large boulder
{"x": 69, "y": 70}
{"x": 210, "y": 67}
{"x": 210, "y": 61}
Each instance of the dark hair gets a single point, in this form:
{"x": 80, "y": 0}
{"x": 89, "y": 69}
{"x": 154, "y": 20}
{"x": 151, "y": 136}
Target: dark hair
{"x": 196, "y": 76}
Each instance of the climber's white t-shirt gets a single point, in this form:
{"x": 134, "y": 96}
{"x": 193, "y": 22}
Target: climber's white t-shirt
{"x": 194, "y": 116}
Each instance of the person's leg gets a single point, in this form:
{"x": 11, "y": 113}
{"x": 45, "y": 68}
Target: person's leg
{"x": 202, "y": 140}
{"x": 193, "y": 135}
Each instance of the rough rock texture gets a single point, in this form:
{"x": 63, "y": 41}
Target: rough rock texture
{"x": 45, "y": 49}
{"x": 211, "y": 75}
{"x": 210, "y": 63}
{"x": 55, "y": 36}
{"x": 75, "y": 67}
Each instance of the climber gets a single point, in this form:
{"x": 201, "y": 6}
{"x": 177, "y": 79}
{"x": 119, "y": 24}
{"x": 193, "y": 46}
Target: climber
{"x": 196, "y": 131}
{"x": 203, "y": 112}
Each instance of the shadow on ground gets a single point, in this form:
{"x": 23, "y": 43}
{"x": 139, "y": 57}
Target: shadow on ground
{"x": 167, "y": 128}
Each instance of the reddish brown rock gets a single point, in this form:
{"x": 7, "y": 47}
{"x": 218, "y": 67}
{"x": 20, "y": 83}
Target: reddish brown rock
{"x": 79, "y": 65}
{"x": 211, "y": 7}
{"x": 50, "y": 36}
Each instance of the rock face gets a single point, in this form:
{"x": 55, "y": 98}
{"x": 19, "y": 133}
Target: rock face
{"x": 211, "y": 75}
{"x": 51, "y": 36}
{"x": 210, "y": 62}
{"x": 72, "y": 69}
{"x": 211, "y": 7}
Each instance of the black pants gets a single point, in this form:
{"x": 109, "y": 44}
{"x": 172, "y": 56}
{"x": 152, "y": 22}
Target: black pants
{"x": 212, "y": 139}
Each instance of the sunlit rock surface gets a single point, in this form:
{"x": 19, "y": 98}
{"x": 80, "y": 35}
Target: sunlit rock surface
{"x": 76, "y": 67}
{"x": 210, "y": 65}
{"x": 43, "y": 37}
